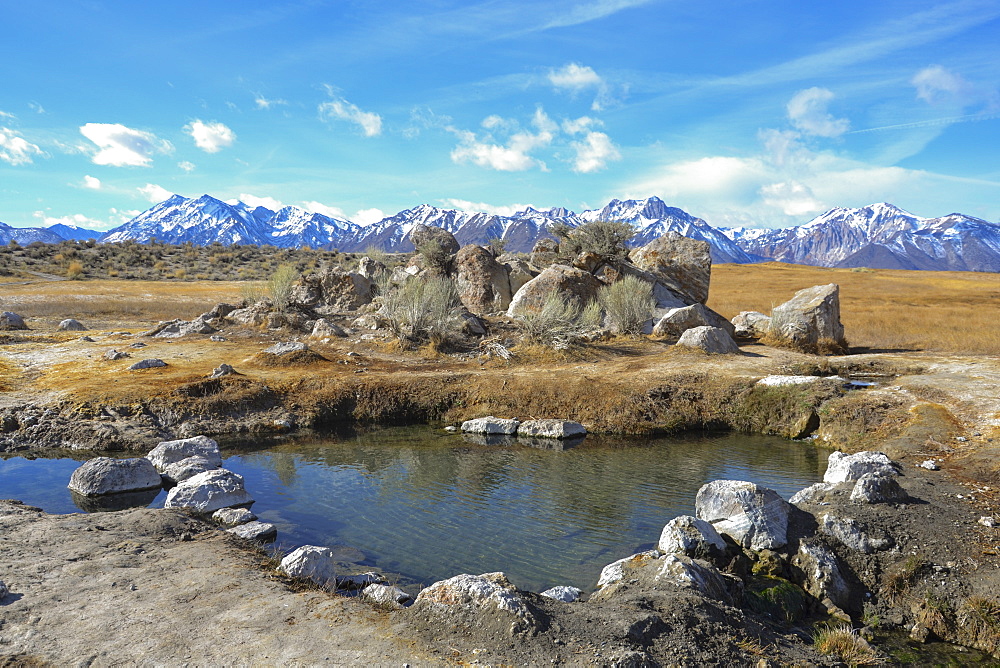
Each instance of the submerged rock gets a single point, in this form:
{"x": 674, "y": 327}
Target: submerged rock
{"x": 755, "y": 517}
{"x": 104, "y": 475}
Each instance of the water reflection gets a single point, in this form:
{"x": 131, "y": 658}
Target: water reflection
{"x": 110, "y": 502}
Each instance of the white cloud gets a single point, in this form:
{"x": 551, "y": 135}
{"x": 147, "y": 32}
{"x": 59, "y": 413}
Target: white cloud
{"x": 37, "y": 108}
{"x": 792, "y": 197}
{"x": 264, "y": 103}
{"x": 807, "y": 110}
{"x": 253, "y": 201}
{"x": 594, "y": 153}
{"x": 186, "y": 166}
{"x": 155, "y": 193}
{"x": 72, "y": 220}
{"x": 575, "y": 77}
{"x": 91, "y": 182}
{"x": 579, "y": 125}
{"x": 210, "y": 137}
{"x": 936, "y": 84}
{"x": 510, "y": 156}
{"x": 120, "y": 146}
{"x": 15, "y": 149}
{"x": 340, "y": 109}
{"x": 323, "y": 209}
{"x": 368, "y": 216}
{"x": 501, "y": 210}
{"x": 7, "y": 115}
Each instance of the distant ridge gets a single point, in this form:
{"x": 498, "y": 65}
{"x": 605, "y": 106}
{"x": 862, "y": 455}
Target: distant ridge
{"x": 879, "y": 235}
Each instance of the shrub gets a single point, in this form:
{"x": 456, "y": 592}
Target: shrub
{"x": 629, "y": 304}
{"x": 74, "y": 271}
{"x": 422, "y": 309}
{"x": 560, "y": 322}
{"x": 842, "y": 642}
{"x": 436, "y": 256}
{"x": 496, "y": 246}
{"x": 606, "y": 238}
{"x": 280, "y": 285}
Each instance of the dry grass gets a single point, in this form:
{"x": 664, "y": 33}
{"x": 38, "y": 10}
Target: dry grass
{"x": 843, "y": 643}
{"x": 881, "y": 309}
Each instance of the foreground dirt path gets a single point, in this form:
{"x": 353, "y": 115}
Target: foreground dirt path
{"x": 153, "y": 587}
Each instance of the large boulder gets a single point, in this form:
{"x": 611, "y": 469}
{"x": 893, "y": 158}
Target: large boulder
{"x": 568, "y": 282}
{"x": 311, "y": 562}
{"x": 519, "y": 272}
{"x": 209, "y": 491}
{"x": 333, "y": 288}
{"x": 72, "y": 325}
{"x": 619, "y": 569}
{"x": 167, "y": 452}
{"x": 676, "y": 321}
{"x": 810, "y": 319}
{"x": 370, "y": 269}
{"x": 104, "y": 475}
{"x": 489, "y": 592}
{"x": 878, "y": 488}
{"x": 751, "y": 324}
{"x": 560, "y": 429}
{"x": 692, "y": 537}
{"x": 842, "y": 467}
{"x": 753, "y": 516}
{"x": 421, "y": 235}
{"x": 682, "y": 264}
{"x": 11, "y": 321}
{"x": 188, "y": 468}
{"x": 822, "y": 576}
{"x": 490, "y": 425}
{"x": 713, "y": 340}
{"x": 483, "y": 283}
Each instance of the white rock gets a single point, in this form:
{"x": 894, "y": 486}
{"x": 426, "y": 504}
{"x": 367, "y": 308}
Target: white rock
{"x": 260, "y": 532}
{"x": 490, "y": 425}
{"x": 712, "y": 340}
{"x": 104, "y": 475}
{"x": 823, "y": 577}
{"x": 311, "y": 562}
{"x": 778, "y": 381}
{"x": 755, "y": 517}
{"x": 168, "y": 452}
{"x": 987, "y": 521}
{"x": 563, "y": 593}
{"x": 847, "y": 531}
{"x": 848, "y": 468}
{"x": 877, "y": 488}
{"x": 209, "y": 491}
{"x": 188, "y": 468}
{"x": 233, "y": 516}
{"x": 615, "y": 571}
{"x": 72, "y": 325}
{"x": 929, "y": 464}
{"x": 751, "y": 324}
{"x": 696, "y": 574}
{"x": 690, "y": 536}
{"x": 489, "y": 590}
{"x": 811, "y": 493}
{"x": 360, "y": 580}
{"x": 381, "y": 594}
{"x": 287, "y": 347}
{"x": 551, "y": 429}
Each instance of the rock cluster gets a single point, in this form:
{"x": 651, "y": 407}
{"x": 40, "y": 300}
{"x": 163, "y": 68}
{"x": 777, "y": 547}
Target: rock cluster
{"x": 543, "y": 429}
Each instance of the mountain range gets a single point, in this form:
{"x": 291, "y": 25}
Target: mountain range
{"x": 879, "y": 236}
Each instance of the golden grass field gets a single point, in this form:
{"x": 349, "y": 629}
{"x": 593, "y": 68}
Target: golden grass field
{"x": 882, "y": 309}
{"x": 956, "y": 312}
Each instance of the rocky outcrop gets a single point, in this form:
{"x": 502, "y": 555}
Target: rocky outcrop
{"x": 753, "y": 516}
{"x": 482, "y": 282}
{"x": 332, "y": 288}
{"x": 311, "y": 562}
{"x": 682, "y": 264}
{"x": 810, "y": 320}
{"x": 104, "y": 475}
{"x": 692, "y": 537}
{"x": 560, "y": 429}
{"x": 568, "y": 282}
{"x": 11, "y": 321}
{"x": 751, "y": 325}
{"x": 678, "y": 320}
{"x": 209, "y": 491}
{"x": 168, "y": 452}
{"x": 712, "y": 340}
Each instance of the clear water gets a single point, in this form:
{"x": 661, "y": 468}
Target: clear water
{"x": 429, "y": 505}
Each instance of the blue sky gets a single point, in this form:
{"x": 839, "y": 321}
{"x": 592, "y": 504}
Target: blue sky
{"x": 761, "y": 113}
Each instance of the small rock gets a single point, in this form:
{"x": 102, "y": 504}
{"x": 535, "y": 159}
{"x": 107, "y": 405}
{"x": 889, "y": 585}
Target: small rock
{"x": 168, "y": 452}
{"x": 86, "y": 339}
{"x": 929, "y": 464}
{"x": 563, "y": 593}
{"x": 3, "y": 590}
{"x": 987, "y": 521}
{"x": 137, "y": 344}
{"x": 223, "y": 370}
{"x": 920, "y": 633}
{"x": 286, "y": 347}
{"x": 115, "y": 355}
{"x": 311, "y": 562}
{"x": 877, "y": 488}
{"x": 491, "y": 425}
{"x": 152, "y": 363}
{"x": 189, "y": 467}
{"x": 712, "y": 340}
{"x": 381, "y": 594}
{"x": 324, "y": 329}
{"x": 104, "y": 475}
{"x": 233, "y": 516}
{"x": 452, "y": 428}
{"x": 11, "y": 321}
{"x": 259, "y": 532}
{"x": 217, "y": 338}
{"x": 72, "y": 325}
{"x": 360, "y": 581}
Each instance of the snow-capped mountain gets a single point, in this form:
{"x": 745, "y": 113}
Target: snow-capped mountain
{"x": 27, "y": 235}
{"x": 882, "y": 236}
{"x": 74, "y": 232}
{"x": 206, "y": 220}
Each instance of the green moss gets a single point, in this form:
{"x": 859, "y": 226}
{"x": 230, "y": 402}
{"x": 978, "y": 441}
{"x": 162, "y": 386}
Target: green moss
{"x": 777, "y": 598}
